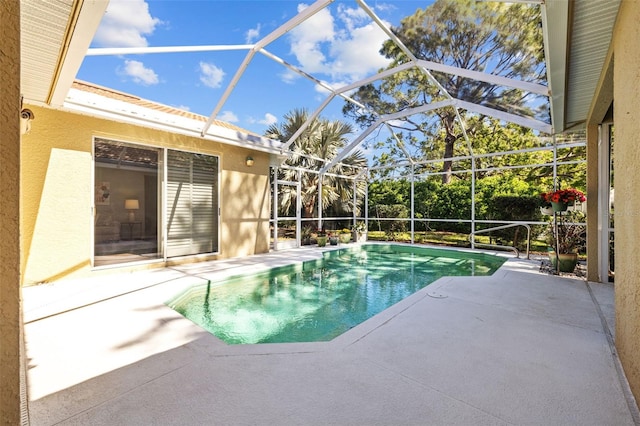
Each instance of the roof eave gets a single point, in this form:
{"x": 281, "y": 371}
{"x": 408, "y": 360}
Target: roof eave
{"x": 555, "y": 28}
{"x": 110, "y": 109}
{"x": 55, "y": 35}
{"x": 82, "y": 26}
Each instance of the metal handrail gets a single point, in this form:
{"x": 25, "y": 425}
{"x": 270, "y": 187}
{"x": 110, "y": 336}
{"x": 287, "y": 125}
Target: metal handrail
{"x": 495, "y": 228}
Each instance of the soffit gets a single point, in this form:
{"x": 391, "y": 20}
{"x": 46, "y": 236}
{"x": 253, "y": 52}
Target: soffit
{"x": 43, "y": 26}
{"x": 55, "y": 35}
{"x": 591, "y": 32}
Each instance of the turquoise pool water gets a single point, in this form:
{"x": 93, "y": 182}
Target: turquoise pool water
{"x": 319, "y": 300}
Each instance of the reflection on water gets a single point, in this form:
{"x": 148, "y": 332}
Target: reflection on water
{"x": 322, "y": 299}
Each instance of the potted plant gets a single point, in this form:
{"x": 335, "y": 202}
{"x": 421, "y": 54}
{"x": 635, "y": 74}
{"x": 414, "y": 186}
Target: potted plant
{"x": 545, "y": 206}
{"x": 321, "y": 238}
{"x": 345, "y": 236}
{"x": 359, "y": 231}
{"x": 305, "y": 235}
{"x": 567, "y": 237}
{"x": 561, "y": 199}
{"x": 333, "y": 239}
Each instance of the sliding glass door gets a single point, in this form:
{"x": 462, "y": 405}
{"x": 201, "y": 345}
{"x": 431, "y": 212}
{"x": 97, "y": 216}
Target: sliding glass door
{"x": 128, "y": 203}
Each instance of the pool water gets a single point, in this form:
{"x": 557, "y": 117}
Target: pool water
{"x": 319, "y": 300}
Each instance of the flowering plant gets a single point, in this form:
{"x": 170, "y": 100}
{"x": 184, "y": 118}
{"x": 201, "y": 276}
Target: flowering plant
{"x": 542, "y": 201}
{"x": 564, "y": 196}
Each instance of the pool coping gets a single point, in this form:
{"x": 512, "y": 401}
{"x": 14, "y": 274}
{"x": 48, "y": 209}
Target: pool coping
{"x": 182, "y": 347}
{"x": 356, "y": 329}
{"x": 71, "y": 295}
{"x": 74, "y": 293}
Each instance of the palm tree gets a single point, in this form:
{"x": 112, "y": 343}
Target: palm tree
{"x": 321, "y": 140}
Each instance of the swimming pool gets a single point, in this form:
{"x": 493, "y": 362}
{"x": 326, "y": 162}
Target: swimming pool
{"x": 319, "y": 300}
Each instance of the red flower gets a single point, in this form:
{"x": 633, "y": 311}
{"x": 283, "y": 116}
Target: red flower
{"x": 569, "y": 195}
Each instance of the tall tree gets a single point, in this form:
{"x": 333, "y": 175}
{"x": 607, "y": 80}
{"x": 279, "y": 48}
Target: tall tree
{"x": 321, "y": 141}
{"x": 491, "y": 37}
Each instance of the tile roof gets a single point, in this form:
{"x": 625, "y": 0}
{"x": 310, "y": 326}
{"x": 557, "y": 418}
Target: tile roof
{"x": 135, "y": 100}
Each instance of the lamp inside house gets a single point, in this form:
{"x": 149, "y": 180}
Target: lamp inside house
{"x": 132, "y": 206}
{"x": 249, "y": 161}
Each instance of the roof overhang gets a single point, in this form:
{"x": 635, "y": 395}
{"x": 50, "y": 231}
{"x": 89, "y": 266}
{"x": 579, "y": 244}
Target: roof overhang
{"x": 577, "y": 43}
{"x": 55, "y": 36}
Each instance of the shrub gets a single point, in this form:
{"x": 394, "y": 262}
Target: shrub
{"x": 513, "y": 208}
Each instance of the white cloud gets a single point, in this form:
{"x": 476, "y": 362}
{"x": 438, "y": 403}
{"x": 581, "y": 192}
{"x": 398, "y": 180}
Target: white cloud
{"x": 345, "y": 47}
{"x": 307, "y": 38}
{"x": 228, "y": 116}
{"x": 268, "y": 119}
{"x": 288, "y": 76}
{"x": 126, "y": 23}
{"x": 352, "y": 17}
{"x": 384, "y": 7}
{"x": 252, "y": 34}
{"x": 358, "y": 54}
{"x": 211, "y": 75}
{"x": 184, "y": 107}
{"x": 139, "y": 73}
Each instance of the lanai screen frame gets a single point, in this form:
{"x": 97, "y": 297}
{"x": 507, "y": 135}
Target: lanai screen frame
{"x": 413, "y": 62}
{"x": 554, "y": 147}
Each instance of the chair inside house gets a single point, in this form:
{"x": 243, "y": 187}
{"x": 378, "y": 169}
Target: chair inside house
{"x": 106, "y": 228}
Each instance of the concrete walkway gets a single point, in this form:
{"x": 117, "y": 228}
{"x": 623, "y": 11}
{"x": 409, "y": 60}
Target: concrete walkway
{"x": 518, "y": 347}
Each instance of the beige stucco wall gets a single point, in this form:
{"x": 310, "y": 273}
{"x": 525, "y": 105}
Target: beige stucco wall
{"x": 58, "y": 189}
{"x": 9, "y": 212}
{"x": 627, "y": 180}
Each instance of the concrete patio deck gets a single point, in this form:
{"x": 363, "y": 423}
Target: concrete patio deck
{"x": 518, "y": 347}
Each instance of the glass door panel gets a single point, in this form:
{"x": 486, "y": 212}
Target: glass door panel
{"x": 126, "y": 202}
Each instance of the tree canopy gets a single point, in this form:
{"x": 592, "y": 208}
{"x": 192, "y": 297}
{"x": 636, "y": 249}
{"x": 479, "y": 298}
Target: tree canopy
{"x": 490, "y": 37}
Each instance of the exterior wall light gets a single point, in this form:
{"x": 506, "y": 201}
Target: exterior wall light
{"x": 249, "y": 161}
{"x": 26, "y": 117}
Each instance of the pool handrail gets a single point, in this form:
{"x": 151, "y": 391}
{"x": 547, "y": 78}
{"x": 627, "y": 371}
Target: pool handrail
{"x": 495, "y": 228}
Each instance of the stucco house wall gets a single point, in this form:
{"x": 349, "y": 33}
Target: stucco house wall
{"x": 9, "y": 212}
{"x": 626, "y": 82}
{"x": 57, "y": 192}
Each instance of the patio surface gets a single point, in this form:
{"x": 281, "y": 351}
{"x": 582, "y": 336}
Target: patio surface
{"x": 519, "y": 347}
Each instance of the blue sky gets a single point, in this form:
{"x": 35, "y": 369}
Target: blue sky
{"x": 338, "y": 45}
